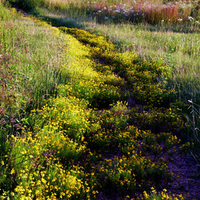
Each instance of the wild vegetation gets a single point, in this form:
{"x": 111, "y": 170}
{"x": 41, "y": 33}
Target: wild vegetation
{"x": 153, "y": 30}
{"x": 173, "y": 38}
{"x": 85, "y": 118}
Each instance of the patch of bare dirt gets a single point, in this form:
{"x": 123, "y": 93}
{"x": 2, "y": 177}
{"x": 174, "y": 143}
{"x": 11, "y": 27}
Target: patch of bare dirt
{"x": 187, "y": 180}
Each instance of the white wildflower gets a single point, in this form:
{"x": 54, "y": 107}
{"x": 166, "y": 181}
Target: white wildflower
{"x": 190, "y": 18}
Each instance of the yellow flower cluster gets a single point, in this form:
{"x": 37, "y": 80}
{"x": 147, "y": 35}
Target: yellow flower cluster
{"x": 65, "y": 114}
{"x": 84, "y": 81}
{"x": 147, "y": 79}
{"x": 36, "y": 167}
{"x": 162, "y": 195}
{"x": 87, "y": 138}
{"x": 88, "y": 38}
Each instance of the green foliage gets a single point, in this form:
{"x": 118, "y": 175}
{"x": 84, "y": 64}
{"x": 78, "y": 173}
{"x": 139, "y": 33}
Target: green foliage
{"x": 65, "y": 114}
{"x": 26, "y": 5}
{"x": 65, "y": 148}
{"x": 154, "y": 195}
{"x": 158, "y": 119}
{"x": 6, "y": 14}
{"x": 88, "y": 38}
{"x": 164, "y": 38}
{"x": 124, "y": 173}
{"x": 28, "y": 72}
{"x": 87, "y": 82}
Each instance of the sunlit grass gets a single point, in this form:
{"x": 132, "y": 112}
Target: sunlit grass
{"x": 31, "y": 56}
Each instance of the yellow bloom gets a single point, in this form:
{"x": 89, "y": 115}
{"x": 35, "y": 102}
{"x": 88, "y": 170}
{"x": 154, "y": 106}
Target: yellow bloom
{"x": 145, "y": 195}
{"x": 164, "y": 190}
{"x": 12, "y": 171}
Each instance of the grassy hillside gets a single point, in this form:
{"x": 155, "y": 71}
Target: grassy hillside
{"x": 81, "y": 119}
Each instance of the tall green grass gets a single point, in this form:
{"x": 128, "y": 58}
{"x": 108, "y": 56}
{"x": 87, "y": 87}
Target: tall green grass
{"x": 30, "y": 60}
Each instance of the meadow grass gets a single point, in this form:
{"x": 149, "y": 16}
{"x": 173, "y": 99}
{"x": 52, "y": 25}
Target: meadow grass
{"x": 179, "y": 50}
{"x": 89, "y": 100}
{"x": 31, "y": 56}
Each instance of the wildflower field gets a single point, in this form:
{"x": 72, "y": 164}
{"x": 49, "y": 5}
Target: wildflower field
{"x": 80, "y": 119}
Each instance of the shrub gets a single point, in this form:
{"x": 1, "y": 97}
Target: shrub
{"x": 26, "y": 5}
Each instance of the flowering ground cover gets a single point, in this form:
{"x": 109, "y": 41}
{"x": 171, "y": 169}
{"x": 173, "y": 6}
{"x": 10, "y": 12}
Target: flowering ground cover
{"x": 153, "y": 29}
{"x": 108, "y": 130}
